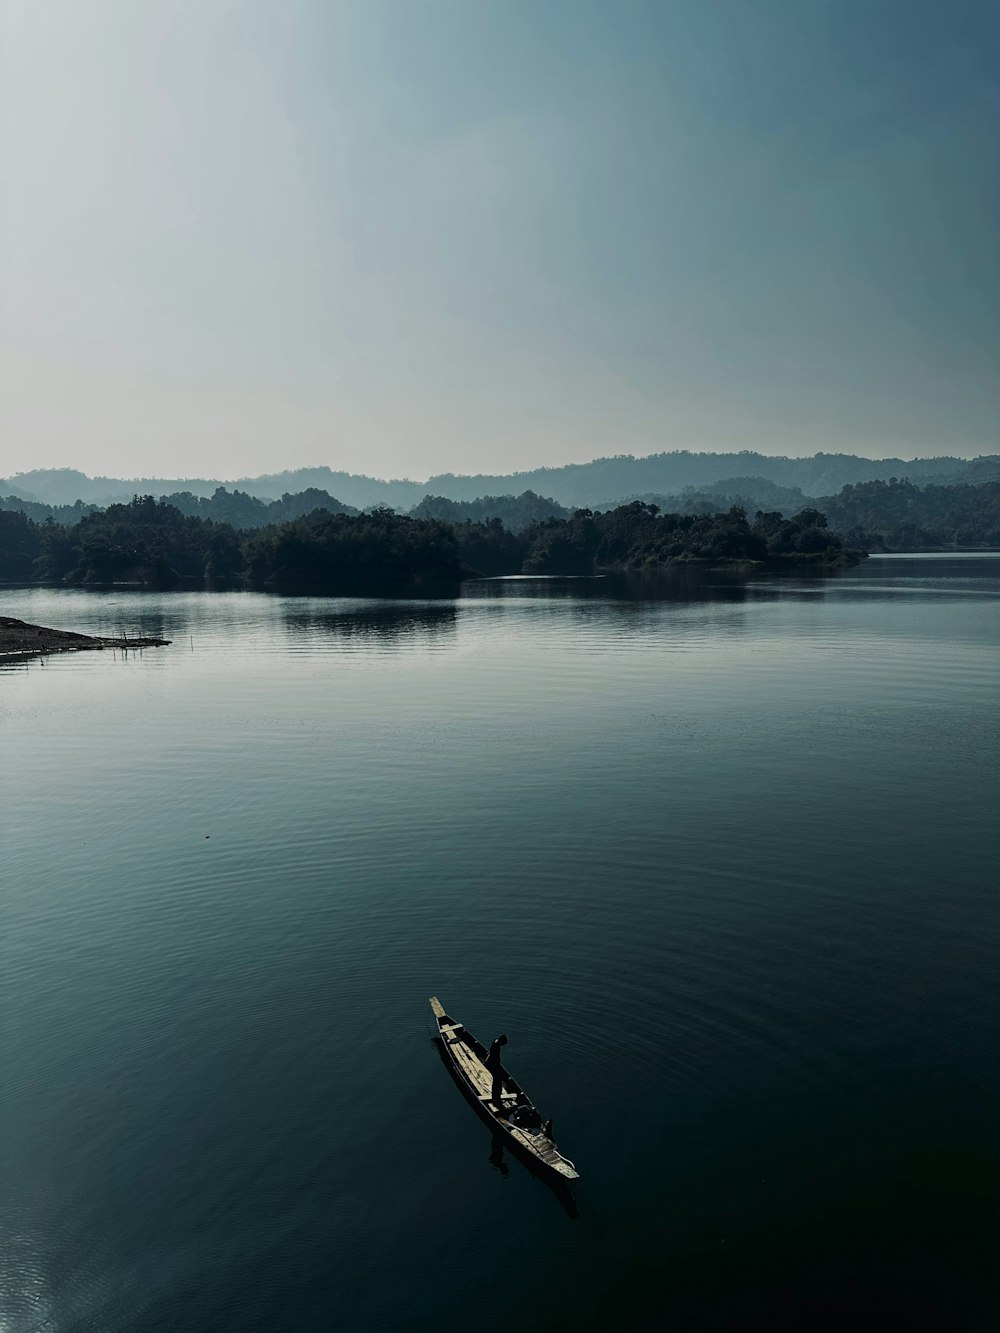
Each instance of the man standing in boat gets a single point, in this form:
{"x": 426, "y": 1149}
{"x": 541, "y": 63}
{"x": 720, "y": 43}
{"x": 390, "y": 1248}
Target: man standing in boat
{"x": 494, "y": 1063}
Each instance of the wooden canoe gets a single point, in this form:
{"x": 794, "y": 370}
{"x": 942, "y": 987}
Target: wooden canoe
{"x": 467, "y": 1058}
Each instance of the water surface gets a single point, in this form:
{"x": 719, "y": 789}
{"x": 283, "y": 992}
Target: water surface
{"x": 720, "y": 857}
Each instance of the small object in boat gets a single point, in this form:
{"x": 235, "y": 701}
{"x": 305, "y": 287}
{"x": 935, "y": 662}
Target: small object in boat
{"x": 525, "y": 1117}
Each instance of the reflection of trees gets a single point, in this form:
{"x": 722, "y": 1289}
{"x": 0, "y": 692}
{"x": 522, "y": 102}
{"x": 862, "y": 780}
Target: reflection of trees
{"x": 394, "y": 625}
{"x": 677, "y": 584}
{"x": 636, "y": 602}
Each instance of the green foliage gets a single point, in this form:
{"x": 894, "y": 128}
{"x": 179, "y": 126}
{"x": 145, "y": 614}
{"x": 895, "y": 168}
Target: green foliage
{"x": 40, "y": 512}
{"x": 58, "y": 551}
{"x": 515, "y": 512}
{"x": 605, "y": 480}
{"x": 382, "y": 546}
{"x": 896, "y": 515}
{"x": 489, "y": 549}
{"x": 20, "y": 542}
{"x": 638, "y": 536}
{"x": 803, "y": 537}
{"x": 145, "y": 541}
{"x": 241, "y": 510}
{"x": 749, "y": 493}
{"x": 561, "y": 546}
{"x": 753, "y": 481}
{"x": 151, "y": 542}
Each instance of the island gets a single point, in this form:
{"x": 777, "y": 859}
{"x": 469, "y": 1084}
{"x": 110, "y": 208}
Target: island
{"x": 19, "y": 639}
{"x": 150, "y": 543}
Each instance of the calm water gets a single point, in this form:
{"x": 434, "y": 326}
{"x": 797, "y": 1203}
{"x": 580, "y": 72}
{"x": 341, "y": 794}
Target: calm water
{"x": 720, "y": 859}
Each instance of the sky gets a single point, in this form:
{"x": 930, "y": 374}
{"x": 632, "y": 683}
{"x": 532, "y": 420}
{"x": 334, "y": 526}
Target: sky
{"x": 404, "y": 237}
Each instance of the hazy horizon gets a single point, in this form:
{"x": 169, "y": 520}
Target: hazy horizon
{"x": 425, "y": 477}
{"x": 402, "y": 241}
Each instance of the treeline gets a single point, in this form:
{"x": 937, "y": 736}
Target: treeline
{"x": 637, "y": 536}
{"x": 151, "y": 542}
{"x": 146, "y": 541}
{"x": 236, "y": 508}
{"x": 890, "y": 515}
{"x": 39, "y": 512}
{"x": 596, "y": 485}
{"x": 895, "y": 515}
{"x": 515, "y": 512}
{"x": 749, "y": 493}
{"x": 590, "y": 484}
{"x": 242, "y": 510}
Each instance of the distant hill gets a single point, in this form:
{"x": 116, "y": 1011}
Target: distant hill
{"x": 749, "y": 493}
{"x": 899, "y": 516}
{"x": 359, "y": 491}
{"x": 39, "y": 512}
{"x": 605, "y": 481}
{"x": 243, "y": 511}
{"x": 515, "y": 512}
{"x": 608, "y": 480}
{"x": 62, "y": 486}
{"x": 236, "y": 508}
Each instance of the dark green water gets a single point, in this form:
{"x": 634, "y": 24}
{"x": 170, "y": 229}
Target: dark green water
{"x": 721, "y": 860}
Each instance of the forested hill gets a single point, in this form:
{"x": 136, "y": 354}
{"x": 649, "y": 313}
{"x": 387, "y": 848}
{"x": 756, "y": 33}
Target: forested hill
{"x": 876, "y": 515}
{"x": 244, "y": 511}
{"x": 603, "y": 482}
{"x": 150, "y": 542}
{"x": 898, "y": 516}
{"x": 233, "y": 507}
{"x": 750, "y": 493}
{"x": 609, "y": 480}
{"x": 515, "y": 512}
{"x": 65, "y": 486}
{"x": 241, "y": 510}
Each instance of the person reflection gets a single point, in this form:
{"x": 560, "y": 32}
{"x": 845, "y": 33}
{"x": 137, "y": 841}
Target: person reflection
{"x": 496, "y": 1156}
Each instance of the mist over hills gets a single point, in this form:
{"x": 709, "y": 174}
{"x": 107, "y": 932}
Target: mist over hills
{"x": 232, "y": 534}
{"x": 750, "y": 493}
{"x": 63, "y": 486}
{"x": 600, "y": 483}
{"x": 607, "y": 480}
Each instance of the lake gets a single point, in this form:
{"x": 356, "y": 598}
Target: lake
{"x": 719, "y": 856}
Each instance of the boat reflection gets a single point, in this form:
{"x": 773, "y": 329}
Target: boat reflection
{"x": 496, "y": 1156}
{"x": 562, "y": 1190}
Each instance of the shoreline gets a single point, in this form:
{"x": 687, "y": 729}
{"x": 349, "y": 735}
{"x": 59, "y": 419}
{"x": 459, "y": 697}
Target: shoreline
{"x": 20, "y": 640}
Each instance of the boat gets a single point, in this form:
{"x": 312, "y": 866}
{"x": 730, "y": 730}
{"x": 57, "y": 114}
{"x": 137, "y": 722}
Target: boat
{"x": 516, "y": 1119}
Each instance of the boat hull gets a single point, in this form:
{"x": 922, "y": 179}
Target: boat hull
{"x": 465, "y": 1057}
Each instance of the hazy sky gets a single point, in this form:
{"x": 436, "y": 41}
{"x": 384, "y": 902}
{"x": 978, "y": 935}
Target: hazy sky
{"x": 473, "y": 235}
